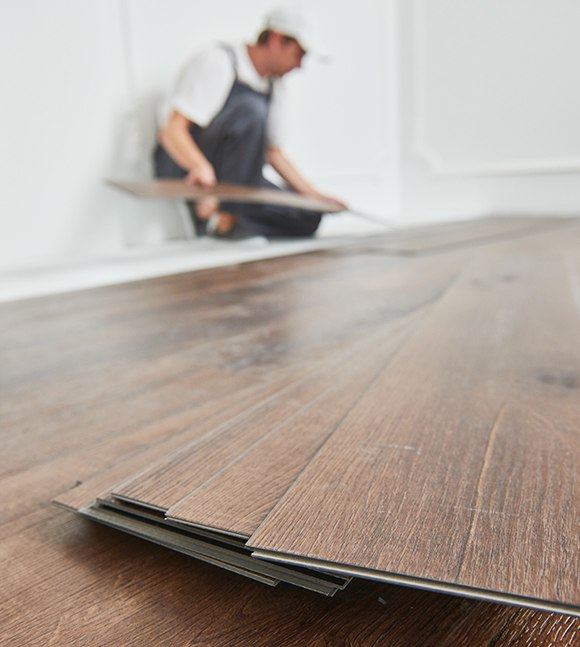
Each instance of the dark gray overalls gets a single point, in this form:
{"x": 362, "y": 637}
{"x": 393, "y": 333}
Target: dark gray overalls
{"x": 235, "y": 144}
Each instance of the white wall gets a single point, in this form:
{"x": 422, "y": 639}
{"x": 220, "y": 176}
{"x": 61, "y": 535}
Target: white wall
{"x": 61, "y": 92}
{"x": 79, "y": 81}
{"x": 490, "y": 105}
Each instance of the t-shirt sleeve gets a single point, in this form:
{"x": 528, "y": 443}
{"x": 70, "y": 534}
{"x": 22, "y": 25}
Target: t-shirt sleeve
{"x": 203, "y": 86}
{"x": 276, "y": 117}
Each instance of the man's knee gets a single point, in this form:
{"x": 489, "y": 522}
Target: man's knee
{"x": 298, "y": 224}
{"x": 310, "y": 224}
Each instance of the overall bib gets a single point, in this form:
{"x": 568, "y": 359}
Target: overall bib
{"x": 235, "y": 145}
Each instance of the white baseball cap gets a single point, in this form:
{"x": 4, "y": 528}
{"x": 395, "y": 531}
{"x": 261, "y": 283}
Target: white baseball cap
{"x": 295, "y": 22}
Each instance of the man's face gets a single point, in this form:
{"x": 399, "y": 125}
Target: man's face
{"x": 286, "y": 54}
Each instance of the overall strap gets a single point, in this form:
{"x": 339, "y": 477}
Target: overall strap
{"x": 231, "y": 53}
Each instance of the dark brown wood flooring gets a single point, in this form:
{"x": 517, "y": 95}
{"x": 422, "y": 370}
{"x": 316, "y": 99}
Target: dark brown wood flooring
{"x": 98, "y": 384}
{"x": 458, "y": 465}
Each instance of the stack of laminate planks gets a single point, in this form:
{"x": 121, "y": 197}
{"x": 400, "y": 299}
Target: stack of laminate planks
{"x": 428, "y": 438}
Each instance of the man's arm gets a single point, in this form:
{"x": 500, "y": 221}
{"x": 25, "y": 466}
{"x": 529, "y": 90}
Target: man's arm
{"x": 178, "y": 142}
{"x": 292, "y": 176}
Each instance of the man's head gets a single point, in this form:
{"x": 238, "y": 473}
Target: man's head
{"x": 283, "y": 53}
{"x": 287, "y": 36}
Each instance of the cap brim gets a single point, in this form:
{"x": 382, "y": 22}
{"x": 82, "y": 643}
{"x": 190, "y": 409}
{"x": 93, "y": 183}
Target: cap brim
{"x": 316, "y": 52}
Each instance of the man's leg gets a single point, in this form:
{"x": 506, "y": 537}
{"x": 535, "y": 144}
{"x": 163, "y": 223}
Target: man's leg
{"x": 275, "y": 221}
{"x": 235, "y": 143}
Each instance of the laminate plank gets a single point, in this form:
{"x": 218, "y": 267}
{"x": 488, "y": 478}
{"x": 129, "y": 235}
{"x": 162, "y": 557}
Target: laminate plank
{"x": 156, "y": 340}
{"x": 179, "y": 190}
{"x": 124, "y": 454}
{"x": 195, "y": 425}
{"x": 95, "y": 436}
{"x": 394, "y": 490}
{"x": 528, "y": 479}
{"x": 131, "y": 391}
{"x": 223, "y": 445}
{"x": 238, "y": 496}
{"x": 175, "y": 477}
{"x": 77, "y": 583}
{"x": 144, "y": 335}
{"x": 154, "y": 515}
{"x": 175, "y": 541}
{"x": 226, "y": 444}
{"x": 212, "y": 549}
{"x": 392, "y": 296}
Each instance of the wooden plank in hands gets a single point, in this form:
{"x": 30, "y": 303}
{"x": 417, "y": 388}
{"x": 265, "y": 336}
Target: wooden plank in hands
{"x": 178, "y": 190}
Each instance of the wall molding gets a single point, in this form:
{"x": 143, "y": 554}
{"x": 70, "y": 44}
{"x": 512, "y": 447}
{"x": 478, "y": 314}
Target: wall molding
{"x": 436, "y": 161}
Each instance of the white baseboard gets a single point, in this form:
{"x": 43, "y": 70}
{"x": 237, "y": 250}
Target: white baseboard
{"x": 170, "y": 258}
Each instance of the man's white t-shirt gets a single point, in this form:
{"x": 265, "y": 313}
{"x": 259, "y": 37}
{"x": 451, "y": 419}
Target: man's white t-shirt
{"x": 205, "y": 81}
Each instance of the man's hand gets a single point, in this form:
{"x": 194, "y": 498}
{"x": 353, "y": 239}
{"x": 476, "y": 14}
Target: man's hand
{"x": 202, "y": 174}
{"x": 290, "y": 174}
{"x": 336, "y": 201}
{"x": 328, "y": 198}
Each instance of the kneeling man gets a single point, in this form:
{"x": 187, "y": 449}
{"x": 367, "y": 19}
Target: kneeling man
{"x": 222, "y": 125}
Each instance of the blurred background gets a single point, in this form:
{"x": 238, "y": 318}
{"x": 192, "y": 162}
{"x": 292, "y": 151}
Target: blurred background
{"x": 431, "y": 110}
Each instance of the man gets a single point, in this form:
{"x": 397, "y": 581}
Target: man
{"x": 222, "y": 124}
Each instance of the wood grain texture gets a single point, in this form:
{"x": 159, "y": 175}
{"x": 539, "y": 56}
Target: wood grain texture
{"x": 380, "y": 300}
{"x": 85, "y": 380}
{"x": 149, "y": 361}
{"x": 311, "y": 335}
{"x": 155, "y": 445}
{"x": 144, "y": 381}
{"x": 177, "y": 475}
{"x": 179, "y": 190}
{"x": 534, "y": 535}
{"x": 405, "y": 483}
{"x": 239, "y": 495}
